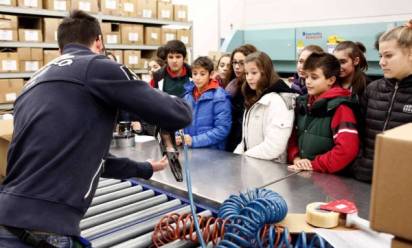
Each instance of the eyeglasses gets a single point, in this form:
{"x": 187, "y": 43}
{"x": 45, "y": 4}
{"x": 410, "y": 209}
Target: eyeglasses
{"x": 240, "y": 63}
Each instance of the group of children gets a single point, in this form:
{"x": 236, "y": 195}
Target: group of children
{"x": 325, "y": 121}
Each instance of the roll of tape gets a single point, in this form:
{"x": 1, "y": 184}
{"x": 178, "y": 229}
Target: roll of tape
{"x": 321, "y": 218}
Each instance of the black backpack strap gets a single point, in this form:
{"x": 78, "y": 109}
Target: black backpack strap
{"x": 28, "y": 238}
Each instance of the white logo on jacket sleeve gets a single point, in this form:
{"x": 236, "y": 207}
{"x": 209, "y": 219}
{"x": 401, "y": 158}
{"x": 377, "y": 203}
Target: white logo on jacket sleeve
{"x": 407, "y": 109}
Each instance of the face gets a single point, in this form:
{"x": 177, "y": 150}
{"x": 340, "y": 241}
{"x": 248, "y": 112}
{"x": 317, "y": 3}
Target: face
{"x": 302, "y": 58}
{"x": 316, "y": 82}
{"x": 395, "y": 61}
{"x": 238, "y": 64}
{"x": 223, "y": 66}
{"x": 347, "y": 65}
{"x": 200, "y": 77}
{"x": 153, "y": 66}
{"x": 253, "y": 75}
{"x": 175, "y": 61}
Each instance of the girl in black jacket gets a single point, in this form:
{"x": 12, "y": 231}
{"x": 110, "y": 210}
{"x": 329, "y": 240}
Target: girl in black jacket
{"x": 387, "y": 102}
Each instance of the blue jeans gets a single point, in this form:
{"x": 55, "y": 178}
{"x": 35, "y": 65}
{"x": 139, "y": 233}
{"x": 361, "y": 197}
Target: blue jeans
{"x": 9, "y": 240}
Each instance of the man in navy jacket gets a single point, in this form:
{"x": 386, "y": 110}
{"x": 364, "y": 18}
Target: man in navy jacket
{"x": 63, "y": 126}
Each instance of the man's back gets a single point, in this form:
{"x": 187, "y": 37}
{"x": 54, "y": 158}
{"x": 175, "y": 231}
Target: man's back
{"x": 63, "y": 126}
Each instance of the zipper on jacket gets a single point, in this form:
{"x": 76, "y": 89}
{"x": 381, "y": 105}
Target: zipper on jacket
{"x": 390, "y": 106}
{"x": 93, "y": 179}
{"x": 246, "y": 124}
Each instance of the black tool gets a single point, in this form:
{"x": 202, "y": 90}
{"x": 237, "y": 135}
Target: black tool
{"x": 168, "y": 147}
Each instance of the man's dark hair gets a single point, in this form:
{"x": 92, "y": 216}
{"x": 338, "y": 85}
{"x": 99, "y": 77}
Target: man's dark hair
{"x": 203, "y": 62}
{"x": 79, "y": 27}
{"x": 175, "y": 46}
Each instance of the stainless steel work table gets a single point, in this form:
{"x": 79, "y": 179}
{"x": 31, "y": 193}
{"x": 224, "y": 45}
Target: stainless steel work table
{"x": 306, "y": 187}
{"x": 215, "y": 174}
{"x": 218, "y": 174}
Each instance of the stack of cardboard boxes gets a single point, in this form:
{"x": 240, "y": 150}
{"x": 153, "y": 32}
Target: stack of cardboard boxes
{"x": 8, "y": 28}
{"x": 58, "y": 5}
{"x": 391, "y": 201}
{"x": 30, "y": 59}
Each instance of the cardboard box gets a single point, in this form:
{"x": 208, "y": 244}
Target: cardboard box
{"x": 10, "y": 89}
{"x": 165, "y": 11}
{"x": 8, "y": 2}
{"x": 168, "y": 34}
{"x": 184, "y": 35}
{"x": 30, "y": 3}
{"x": 85, "y": 5}
{"x": 128, "y": 8}
{"x": 9, "y": 62}
{"x": 180, "y": 13}
{"x": 132, "y": 59}
{"x": 132, "y": 34}
{"x": 118, "y": 54}
{"x": 110, "y": 7}
{"x": 59, "y": 5}
{"x": 8, "y": 22}
{"x": 6, "y": 132}
{"x": 143, "y": 64}
{"x": 50, "y": 29}
{"x": 147, "y": 8}
{"x": 391, "y": 201}
{"x": 27, "y": 53}
{"x": 111, "y": 33}
{"x": 49, "y": 55}
{"x": 30, "y": 59}
{"x": 8, "y": 35}
{"x": 30, "y": 35}
{"x": 152, "y": 36}
{"x": 398, "y": 243}
{"x": 30, "y": 29}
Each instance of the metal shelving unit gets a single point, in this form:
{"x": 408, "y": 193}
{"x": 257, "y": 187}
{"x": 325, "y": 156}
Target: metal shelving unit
{"x": 60, "y": 14}
{"x": 99, "y": 16}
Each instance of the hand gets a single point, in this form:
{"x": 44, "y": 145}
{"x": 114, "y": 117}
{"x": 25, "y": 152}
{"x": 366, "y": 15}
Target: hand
{"x": 178, "y": 140}
{"x": 136, "y": 126}
{"x": 301, "y": 164}
{"x": 188, "y": 140}
{"x": 158, "y": 165}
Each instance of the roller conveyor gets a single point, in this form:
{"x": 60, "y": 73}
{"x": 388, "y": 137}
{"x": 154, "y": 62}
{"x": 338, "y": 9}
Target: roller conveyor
{"x": 112, "y": 188}
{"x": 115, "y": 195}
{"x": 124, "y": 212}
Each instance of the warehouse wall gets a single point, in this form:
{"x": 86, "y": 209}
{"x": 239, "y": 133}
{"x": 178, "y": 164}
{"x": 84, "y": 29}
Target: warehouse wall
{"x": 287, "y": 13}
{"x": 214, "y": 20}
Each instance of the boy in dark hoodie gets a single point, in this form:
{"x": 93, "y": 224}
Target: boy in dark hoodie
{"x": 172, "y": 78}
{"x": 326, "y": 138}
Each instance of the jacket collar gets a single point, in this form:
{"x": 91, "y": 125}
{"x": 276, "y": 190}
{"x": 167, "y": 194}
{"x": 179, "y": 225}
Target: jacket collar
{"x": 73, "y": 47}
{"x": 406, "y": 82}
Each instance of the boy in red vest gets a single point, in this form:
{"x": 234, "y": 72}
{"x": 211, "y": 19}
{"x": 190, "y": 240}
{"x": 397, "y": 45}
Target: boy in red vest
{"x": 326, "y": 138}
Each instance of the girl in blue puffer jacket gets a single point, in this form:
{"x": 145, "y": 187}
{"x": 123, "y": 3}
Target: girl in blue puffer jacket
{"x": 212, "y": 117}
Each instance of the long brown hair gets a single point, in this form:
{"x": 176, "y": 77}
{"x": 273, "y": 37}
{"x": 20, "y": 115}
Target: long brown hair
{"x": 356, "y": 50}
{"x": 245, "y": 49}
{"x": 268, "y": 78}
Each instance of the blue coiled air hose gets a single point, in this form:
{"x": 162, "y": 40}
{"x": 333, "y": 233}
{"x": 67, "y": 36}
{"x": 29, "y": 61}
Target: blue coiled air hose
{"x": 249, "y": 212}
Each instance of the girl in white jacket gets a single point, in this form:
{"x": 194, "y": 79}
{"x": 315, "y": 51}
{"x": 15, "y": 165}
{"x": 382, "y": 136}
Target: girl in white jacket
{"x": 269, "y": 115}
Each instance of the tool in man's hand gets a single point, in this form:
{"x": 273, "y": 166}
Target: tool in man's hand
{"x": 168, "y": 147}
